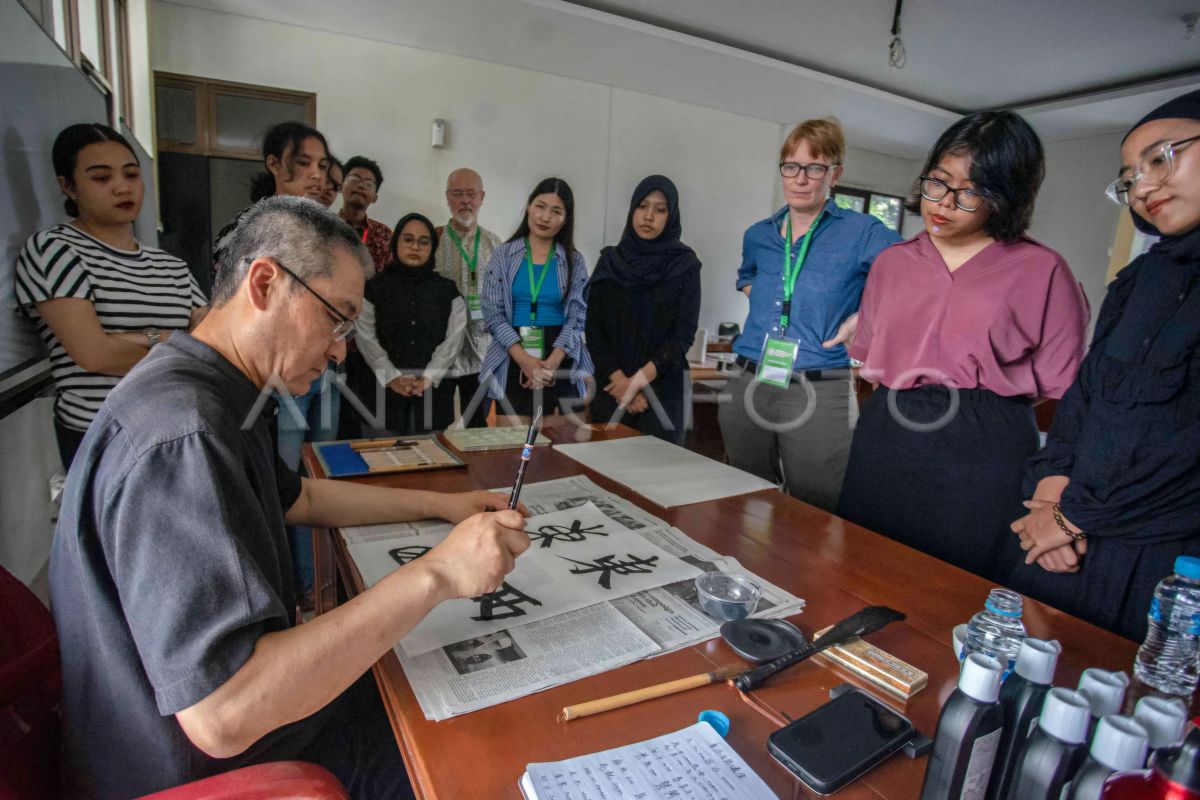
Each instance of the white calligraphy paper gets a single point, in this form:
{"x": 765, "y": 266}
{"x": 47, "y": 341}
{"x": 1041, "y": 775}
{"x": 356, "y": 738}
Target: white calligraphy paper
{"x": 577, "y": 557}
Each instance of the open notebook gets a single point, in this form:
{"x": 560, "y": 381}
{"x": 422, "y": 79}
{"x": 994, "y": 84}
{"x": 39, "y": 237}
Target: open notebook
{"x": 694, "y": 762}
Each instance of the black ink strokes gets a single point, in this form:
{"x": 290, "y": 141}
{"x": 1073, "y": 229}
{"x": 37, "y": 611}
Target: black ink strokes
{"x": 503, "y": 603}
{"x": 549, "y": 534}
{"x": 403, "y": 555}
{"x": 607, "y": 567}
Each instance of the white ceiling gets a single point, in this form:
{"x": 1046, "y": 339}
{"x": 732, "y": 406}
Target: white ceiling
{"x": 1074, "y": 67}
{"x": 962, "y": 54}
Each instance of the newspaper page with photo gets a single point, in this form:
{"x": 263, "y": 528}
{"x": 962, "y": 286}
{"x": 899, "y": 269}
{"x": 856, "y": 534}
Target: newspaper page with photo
{"x": 482, "y": 671}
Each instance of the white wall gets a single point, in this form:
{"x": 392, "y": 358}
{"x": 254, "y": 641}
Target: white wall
{"x": 141, "y": 79}
{"x": 514, "y": 126}
{"x": 1073, "y": 215}
{"x": 724, "y": 166}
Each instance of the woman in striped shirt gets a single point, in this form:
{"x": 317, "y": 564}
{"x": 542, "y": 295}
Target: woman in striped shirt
{"x": 535, "y": 306}
{"x": 101, "y": 299}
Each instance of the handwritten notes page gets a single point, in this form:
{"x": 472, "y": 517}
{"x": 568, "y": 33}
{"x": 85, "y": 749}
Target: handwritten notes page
{"x": 693, "y": 763}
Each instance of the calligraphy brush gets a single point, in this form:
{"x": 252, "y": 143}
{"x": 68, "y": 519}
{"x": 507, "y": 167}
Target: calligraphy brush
{"x": 868, "y": 620}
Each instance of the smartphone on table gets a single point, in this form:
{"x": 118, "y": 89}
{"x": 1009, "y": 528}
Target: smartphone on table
{"x": 840, "y": 741}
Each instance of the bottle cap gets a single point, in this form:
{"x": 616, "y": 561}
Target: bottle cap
{"x": 1188, "y": 567}
{"x": 980, "y": 677}
{"x": 1066, "y": 715}
{"x": 1120, "y": 743}
{"x": 1105, "y": 690}
{"x": 718, "y": 721}
{"x": 1164, "y": 719}
{"x": 1036, "y": 660}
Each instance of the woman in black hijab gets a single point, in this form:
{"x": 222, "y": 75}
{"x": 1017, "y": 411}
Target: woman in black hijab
{"x": 411, "y": 329}
{"x": 1116, "y": 490}
{"x": 643, "y": 307}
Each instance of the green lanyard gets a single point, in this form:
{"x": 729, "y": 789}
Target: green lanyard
{"x": 472, "y": 259}
{"x": 791, "y": 269}
{"x": 535, "y": 288}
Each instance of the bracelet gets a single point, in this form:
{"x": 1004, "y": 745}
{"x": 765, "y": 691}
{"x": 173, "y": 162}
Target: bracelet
{"x": 1062, "y": 523}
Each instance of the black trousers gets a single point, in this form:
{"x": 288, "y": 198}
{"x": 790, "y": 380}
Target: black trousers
{"x": 351, "y": 737}
{"x": 68, "y": 440}
{"x": 432, "y": 411}
{"x": 666, "y": 416}
{"x": 469, "y": 392}
{"x": 944, "y": 480}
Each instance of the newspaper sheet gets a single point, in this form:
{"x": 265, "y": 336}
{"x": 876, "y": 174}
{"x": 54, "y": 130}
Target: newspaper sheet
{"x": 502, "y": 666}
{"x": 486, "y": 670}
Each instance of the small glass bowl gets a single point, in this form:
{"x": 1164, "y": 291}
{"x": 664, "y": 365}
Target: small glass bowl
{"x": 727, "y": 596}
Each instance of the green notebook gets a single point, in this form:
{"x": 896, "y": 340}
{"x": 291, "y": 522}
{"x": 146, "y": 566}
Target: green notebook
{"x": 471, "y": 440}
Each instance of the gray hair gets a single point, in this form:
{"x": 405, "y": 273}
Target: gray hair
{"x": 297, "y": 232}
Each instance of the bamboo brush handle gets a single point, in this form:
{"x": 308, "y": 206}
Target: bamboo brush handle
{"x": 647, "y": 693}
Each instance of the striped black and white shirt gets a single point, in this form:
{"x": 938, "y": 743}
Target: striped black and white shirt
{"x": 131, "y": 290}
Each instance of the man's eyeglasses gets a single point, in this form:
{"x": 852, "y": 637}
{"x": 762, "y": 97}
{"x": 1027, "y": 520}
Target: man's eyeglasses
{"x": 1156, "y": 166}
{"x": 463, "y": 194}
{"x": 935, "y": 190}
{"x": 790, "y": 169}
{"x": 344, "y": 327}
{"x": 354, "y": 180}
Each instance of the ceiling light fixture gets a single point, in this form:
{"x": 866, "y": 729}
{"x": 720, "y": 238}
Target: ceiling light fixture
{"x": 896, "y": 53}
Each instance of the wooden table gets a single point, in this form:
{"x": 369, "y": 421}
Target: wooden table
{"x": 834, "y": 565}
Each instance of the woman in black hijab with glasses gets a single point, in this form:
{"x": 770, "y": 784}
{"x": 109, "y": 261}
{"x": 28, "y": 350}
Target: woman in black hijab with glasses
{"x": 411, "y": 329}
{"x": 643, "y": 308}
{"x": 1115, "y": 493}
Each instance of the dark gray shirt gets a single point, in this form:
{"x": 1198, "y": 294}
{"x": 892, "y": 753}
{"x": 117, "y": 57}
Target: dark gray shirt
{"x": 169, "y": 562}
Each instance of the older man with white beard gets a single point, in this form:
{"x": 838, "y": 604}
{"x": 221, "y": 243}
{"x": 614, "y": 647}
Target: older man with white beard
{"x": 463, "y": 257}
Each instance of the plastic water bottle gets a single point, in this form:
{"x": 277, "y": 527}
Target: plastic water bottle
{"x": 1166, "y": 721}
{"x": 1105, "y": 692}
{"x": 1119, "y": 745}
{"x": 997, "y": 631}
{"x": 1022, "y": 697}
{"x": 1175, "y": 776}
{"x": 1056, "y": 749}
{"x": 1167, "y": 660}
{"x": 968, "y": 733}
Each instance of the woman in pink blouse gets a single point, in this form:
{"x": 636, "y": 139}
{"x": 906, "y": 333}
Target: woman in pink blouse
{"x": 963, "y": 327}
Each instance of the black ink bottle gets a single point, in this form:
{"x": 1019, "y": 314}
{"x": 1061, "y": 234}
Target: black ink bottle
{"x": 1021, "y": 697}
{"x": 1056, "y": 748}
{"x": 968, "y": 734}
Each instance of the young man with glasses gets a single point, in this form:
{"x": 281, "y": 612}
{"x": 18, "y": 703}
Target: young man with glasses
{"x": 463, "y": 257}
{"x": 170, "y": 567}
{"x": 803, "y": 271}
{"x": 360, "y": 188}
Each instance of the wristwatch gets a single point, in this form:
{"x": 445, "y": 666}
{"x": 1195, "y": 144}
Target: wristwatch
{"x": 153, "y": 335}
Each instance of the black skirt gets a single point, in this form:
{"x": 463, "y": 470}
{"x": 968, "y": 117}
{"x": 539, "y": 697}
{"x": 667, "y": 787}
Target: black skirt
{"x": 945, "y": 481}
{"x": 669, "y": 392}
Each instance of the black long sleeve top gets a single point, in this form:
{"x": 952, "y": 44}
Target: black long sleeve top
{"x": 1127, "y": 434}
{"x": 628, "y": 327}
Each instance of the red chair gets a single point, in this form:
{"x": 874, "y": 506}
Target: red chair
{"x": 30, "y": 720}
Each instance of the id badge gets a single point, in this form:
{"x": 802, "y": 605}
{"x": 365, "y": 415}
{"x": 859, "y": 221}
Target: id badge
{"x": 533, "y": 339}
{"x": 474, "y": 307}
{"x": 777, "y": 360}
